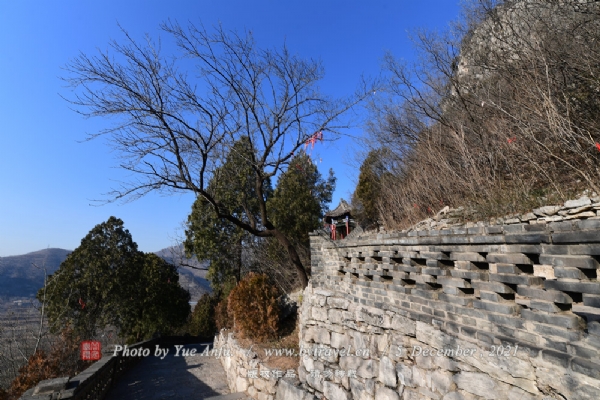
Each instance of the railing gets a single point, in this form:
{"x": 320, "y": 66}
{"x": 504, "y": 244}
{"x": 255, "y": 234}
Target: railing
{"x": 95, "y": 382}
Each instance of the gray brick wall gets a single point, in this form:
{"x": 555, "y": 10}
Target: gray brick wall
{"x": 528, "y": 287}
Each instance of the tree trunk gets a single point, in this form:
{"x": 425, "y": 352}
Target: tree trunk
{"x": 294, "y": 258}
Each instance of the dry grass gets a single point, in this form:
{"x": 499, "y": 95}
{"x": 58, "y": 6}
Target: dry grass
{"x": 512, "y": 124}
{"x": 287, "y": 340}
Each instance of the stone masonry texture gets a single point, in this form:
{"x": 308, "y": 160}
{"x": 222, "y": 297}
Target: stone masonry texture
{"x": 497, "y": 312}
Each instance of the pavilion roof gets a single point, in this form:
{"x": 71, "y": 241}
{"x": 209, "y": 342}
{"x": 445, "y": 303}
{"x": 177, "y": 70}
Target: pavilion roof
{"x": 342, "y": 209}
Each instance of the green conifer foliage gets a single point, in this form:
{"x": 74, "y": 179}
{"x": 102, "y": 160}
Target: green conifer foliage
{"x": 107, "y": 281}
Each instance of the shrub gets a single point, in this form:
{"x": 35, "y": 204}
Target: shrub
{"x": 254, "y": 307}
{"x": 222, "y": 318}
{"x": 63, "y": 360}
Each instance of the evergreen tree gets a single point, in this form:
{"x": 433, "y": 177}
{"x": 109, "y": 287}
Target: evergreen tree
{"x": 219, "y": 240}
{"x": 300, "y": 199}
{"x": 368, "y": 189}
{"x": 295, "y": 207}
{"x": 107, "y": 281}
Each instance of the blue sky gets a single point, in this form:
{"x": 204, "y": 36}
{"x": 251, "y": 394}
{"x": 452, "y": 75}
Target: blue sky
{"x": 49, "y": 177}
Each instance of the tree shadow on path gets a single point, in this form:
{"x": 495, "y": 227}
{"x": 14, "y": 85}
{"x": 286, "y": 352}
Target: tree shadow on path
{"x": 181, "y": 377}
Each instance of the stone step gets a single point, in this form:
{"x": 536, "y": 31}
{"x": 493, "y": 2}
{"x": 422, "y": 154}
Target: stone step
{"x": 232, "y": 396}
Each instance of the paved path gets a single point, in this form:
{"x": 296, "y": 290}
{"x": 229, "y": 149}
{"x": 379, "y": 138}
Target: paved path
{"x": 172, "y": 378}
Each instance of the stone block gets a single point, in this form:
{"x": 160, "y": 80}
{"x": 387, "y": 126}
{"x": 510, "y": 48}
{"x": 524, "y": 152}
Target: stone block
{"x": 403, "y": 325}
{"x": 339, "y": 340}
{"x": 252, "y": 392}
{"x": 497, "y": 319}
{"x": 466, "y": 256}
{"x": 359, "y": 390}
{"x": 497, "y": 287}
{"x": 527, "y": 238}
{"x": 441, "y": 381}
{"x": 333, "y": 391}
{"x": 479, "y": 239}
{"x": 288, "y": 391}
{"x": 494, "y": 230}
{"x": 454, "y": 282}
{"x": 368, "y": 369}
{"x": 428, "y": 394}
{"x": 585, "y": 214}
{"x": 576, "y": 237}
{"x": 264, "y": 396}
{"x": 314, "y": 381}
{"x": 350, "y": 363}
{"x": 589, "y": 313}
{"x": 527, "y": 280}
{"x": 241, "y": 384}
{"x": 513, "y": 226}
{"x": 519, "y": 248}
{"x": 50, "y": 386}
{"x": 556, "y": 358}
{"x": 573, "y": 286}
{"x": 583, "y": 249}
{"x": 301, "y": 374}
{"x": 567, "y": 320}
{"x": 319, "y": 313}
{"x": 384, "y": 393}
{"x": 594, "y": 328}
{"x": 591, "y": 300}
{"x": 478, "y": 384}
{"x": 404, "y": 374}
{"x": 544, "y": 271}
{"x": 501, "y": 308}
{"x": 337, "y": 302}
{"x": 546, "y": 210}
{"x": 581, "y": 202}
{"x": 508, "y": 258}
{"x": 572, "y": 273}
{"x": 492, "y": 296}
{"x": 500, "y": 268}
{"x": 551, "y": 330}
{"x": 317, "y": 335}
{"x": 586, "y": 367}
{"x": 421, "y": 377}
{"x": 466, "y": 265}
{"x": 545, "y": 306}
{"x": 456, "y": 300}
{"x": 546, "y": 295}
{"x": 588, "y": 224}
{"x": 387, "y": 372}
{"x": 585, "y": 262}
{"x": 335, "y": 316}
{"x": 434, "y": 255}
{"x": 586, "y": 352}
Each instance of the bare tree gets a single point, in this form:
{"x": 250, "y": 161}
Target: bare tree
{"x": 176, "y": 127}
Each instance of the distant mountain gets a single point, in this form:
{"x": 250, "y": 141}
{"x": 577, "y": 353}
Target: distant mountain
{"x": 192, "y": 273}
{"x": 23, "y": 275}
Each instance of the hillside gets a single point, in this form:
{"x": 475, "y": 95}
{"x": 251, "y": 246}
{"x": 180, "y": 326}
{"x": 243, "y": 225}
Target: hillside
{"x": 22, "y": 276}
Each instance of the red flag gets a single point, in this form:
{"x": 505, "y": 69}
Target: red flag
{"x": 81, "y": 303}
{"x": 598, "y": 146}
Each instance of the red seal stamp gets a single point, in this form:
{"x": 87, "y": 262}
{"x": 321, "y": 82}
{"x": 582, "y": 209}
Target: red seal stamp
{"x": 90, "y": 350}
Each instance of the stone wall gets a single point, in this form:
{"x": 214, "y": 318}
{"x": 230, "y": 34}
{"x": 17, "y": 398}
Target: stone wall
{"x": 245, "y": 373}
{"x": 480, "y": 312}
